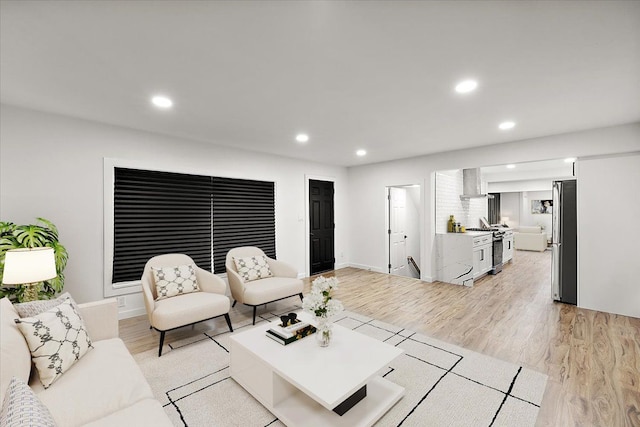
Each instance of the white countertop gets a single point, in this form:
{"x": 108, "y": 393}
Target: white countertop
{"x": 468, "y": 234}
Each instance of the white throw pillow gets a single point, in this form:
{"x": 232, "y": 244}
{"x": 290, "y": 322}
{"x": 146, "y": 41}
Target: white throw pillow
{"x": 174, "y": 281}
{"x": 57, "y": 339}
{"x": 22, "y": 408}
{"x": 33, "y": 308}
{"x": 253, "y": 267}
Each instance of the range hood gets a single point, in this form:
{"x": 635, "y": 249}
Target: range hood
{"x": 471, "y": 182}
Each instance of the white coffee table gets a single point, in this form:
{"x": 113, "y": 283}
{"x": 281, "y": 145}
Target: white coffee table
{"x": 302, "y": 383}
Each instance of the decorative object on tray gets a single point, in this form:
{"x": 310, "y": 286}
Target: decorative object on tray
{"x": 290, "y": 330}
{"x": 320, "y": 303}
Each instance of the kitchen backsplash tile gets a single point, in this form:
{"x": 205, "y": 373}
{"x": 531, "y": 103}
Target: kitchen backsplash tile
{"x": 448, "y": 190}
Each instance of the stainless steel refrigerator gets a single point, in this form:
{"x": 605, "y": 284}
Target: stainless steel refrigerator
{"x": 564, "y": 270}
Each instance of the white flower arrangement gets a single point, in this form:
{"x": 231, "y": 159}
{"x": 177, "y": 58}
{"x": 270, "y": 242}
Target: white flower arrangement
{"x": 319, "y": 301}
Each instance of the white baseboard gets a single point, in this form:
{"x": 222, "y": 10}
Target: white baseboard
{"x": 367, "y": 267}
{"x": 131, "y": 312}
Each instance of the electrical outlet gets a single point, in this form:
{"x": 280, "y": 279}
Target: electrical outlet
{"x": 121, "y": 302}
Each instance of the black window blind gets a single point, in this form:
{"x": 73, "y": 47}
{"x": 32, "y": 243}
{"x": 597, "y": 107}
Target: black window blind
{"x": 161, "y": 212}
{"x": 243, "y": 215}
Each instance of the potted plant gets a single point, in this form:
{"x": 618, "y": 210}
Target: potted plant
{"x": 43, "y": 233}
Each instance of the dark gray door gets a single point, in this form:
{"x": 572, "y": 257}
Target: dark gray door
{"x": 321, "y": 226}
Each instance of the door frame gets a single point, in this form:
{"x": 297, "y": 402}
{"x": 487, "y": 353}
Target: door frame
{"x": 421, "y": 228}
{"x": 307, "y": 225}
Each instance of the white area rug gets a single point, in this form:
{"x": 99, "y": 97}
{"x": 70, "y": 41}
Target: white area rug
{"x": 445, "y": 385}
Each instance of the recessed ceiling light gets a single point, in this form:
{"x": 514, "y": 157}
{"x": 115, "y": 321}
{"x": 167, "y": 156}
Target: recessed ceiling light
{"x": 466, "y": 86}
{"x": 361, "y": 153}
{"x": 511, "y": 166}
{"x": 162, "y": 101}
{"x": 302, "y": 137}
{"x": 507, "y": 125}
{"x": 570, "y": 160}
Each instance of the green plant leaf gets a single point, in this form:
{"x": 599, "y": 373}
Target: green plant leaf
{"x": 51, "y": 226}
{"x": 60, "y": 254}
{"x": 31, "y": 236}
{"x": 6, "y": 228}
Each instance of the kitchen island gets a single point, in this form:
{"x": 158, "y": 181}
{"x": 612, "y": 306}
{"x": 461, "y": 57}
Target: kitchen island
{"x": 463, "y": 257}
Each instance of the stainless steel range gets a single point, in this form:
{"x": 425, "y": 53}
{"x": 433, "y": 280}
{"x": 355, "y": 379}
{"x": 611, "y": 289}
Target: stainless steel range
{"x": 498, "y": 236}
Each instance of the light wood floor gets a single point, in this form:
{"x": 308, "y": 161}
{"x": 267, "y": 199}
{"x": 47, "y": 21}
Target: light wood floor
{"x": 592, "y": 358}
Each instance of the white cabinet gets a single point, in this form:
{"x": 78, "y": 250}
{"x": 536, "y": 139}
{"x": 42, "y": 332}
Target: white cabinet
{"x": 482, "y": 255}
{"x": 463, "y": 257}
{"x": 507, "y": 247}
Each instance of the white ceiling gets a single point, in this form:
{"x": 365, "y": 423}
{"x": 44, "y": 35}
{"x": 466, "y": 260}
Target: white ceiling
{"x": 547, "y": 169}
{"x": 372, "y": 75}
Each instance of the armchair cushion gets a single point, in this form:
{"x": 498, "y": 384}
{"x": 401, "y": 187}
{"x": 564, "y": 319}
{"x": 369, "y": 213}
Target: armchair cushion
{"x": 270, "y": 289}
{"x": 253, "y": 267}
{"x": 189, "y": 308}
{"x": 57, "y": 339}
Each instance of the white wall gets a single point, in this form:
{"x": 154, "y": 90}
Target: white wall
{"x": 52, "y": 166}
{"x": 527, "y": 218}
{"x": 510, "y": 207}
{"x": 366, "y": 183}
{"x": 609, "y": 250}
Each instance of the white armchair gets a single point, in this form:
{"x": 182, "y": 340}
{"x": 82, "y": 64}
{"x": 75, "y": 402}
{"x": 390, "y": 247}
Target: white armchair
{"x": 530, "y": 239}
{"x": 187, "y": 309}
{"x": 283, "y": 283}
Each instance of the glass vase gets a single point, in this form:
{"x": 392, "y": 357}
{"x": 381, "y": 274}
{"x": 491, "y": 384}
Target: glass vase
{"x": 323, "y": 332}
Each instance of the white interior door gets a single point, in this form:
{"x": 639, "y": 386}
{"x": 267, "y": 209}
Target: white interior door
{"x": 398, "y": 229}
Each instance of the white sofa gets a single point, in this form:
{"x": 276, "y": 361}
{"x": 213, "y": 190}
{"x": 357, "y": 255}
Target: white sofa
{"x": 104, "y": 388}
{"x": 530, "y": 239}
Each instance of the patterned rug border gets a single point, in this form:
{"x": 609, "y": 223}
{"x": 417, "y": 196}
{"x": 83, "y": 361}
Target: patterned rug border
{"x": 401, "y": 335}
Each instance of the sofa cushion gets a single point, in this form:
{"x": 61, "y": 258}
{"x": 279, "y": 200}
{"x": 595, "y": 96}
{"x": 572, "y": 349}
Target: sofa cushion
{"x": 271, "y": 289}
{"x": 253, "y": 267}
{"x": 57, "y": 339}
{"x": 22, "y": 408}
{"x": 174, "y": 281}
{"x": 174, "y": 312}
{"x": 147, "y": 412}
{"x": 33, "y": 308}
{"x": 104, "y": 381}
{"x": 15, "y": 358}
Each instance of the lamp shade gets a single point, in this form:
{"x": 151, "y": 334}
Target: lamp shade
{"x": 30, "y": 265}
{"x": 505, "y": 219}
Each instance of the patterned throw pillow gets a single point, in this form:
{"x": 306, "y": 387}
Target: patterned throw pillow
{"x": 57, "y": 339}
{"x": 21, "y": 407}
{"x": 173, "y": 281}
{"x": 33, "y": 308}
{"x": 253, "y": 267}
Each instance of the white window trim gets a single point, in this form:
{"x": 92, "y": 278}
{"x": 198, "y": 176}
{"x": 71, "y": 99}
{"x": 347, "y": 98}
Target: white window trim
{"x": 111, "y": 289}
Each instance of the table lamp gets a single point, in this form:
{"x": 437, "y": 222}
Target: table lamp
{"x": 28, "y": 267}
{"x": 504, "y": 220}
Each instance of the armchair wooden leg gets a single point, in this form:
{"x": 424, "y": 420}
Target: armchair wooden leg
{"x": 226, "y": 317}
{"x": 161, "y": 343}
{"x": 254, "y": 314}
{"x": 301, "y": 297}
{"x": 234, "y": 303}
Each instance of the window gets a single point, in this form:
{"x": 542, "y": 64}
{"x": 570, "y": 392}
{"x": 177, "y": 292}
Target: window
{"x": 202, "y": 216}
{"x": 243, "y": 215}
